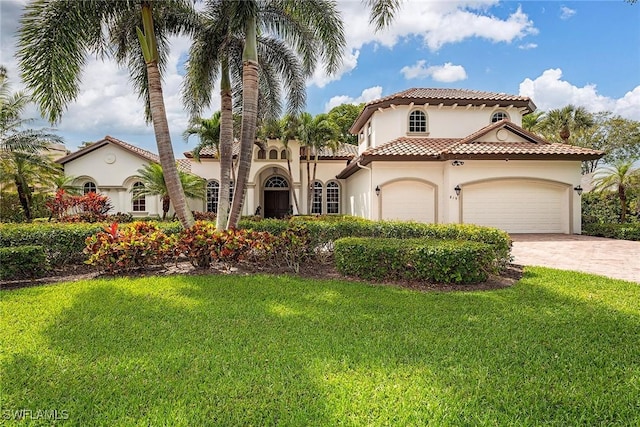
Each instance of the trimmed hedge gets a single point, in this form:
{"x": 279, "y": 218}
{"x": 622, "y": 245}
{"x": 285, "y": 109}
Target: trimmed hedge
{"x": 63, "y": 243}
{"x": 437, "y": 261}
{"x": 614, "y": 231}
{"x": 324, "y": 233}
{"x": 22, "y": 262}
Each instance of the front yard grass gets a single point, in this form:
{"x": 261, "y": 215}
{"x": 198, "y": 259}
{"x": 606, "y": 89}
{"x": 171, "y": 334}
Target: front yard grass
{"x": 558, "y": 348}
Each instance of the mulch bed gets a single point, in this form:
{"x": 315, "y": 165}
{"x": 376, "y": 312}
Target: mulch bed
{"x": 325, "y": 270}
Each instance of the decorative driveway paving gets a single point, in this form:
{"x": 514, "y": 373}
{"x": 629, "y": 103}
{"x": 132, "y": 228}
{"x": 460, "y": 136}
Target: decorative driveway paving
{"x": 619, "y": 259}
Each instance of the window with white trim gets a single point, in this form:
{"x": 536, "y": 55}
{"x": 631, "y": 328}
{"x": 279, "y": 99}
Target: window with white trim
{"x": 333, "y": 197}
{"x": 499, "y": 115}
{"x": 316, "y": 202}
{"x": 139, "y": 202}
{"x": 213, "y": 195}
{"x": 89, "y": 187}
{"x": 417, "y": 122}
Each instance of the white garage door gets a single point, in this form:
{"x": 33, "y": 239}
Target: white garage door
{"x": 517, "y": 206}
{"x": 408, "y": 200}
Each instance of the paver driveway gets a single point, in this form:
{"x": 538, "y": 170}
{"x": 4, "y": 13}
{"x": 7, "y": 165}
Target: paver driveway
{"x": 619, "y": 259}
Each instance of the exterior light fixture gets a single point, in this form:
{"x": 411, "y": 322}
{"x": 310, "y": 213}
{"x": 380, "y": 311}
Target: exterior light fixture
{"x": 457, "y": 190}
{"x": 578, "y": 189}
{"x": 377, "y": 190}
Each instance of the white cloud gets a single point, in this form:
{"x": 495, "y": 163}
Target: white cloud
{"x": 440, "y": 73}
{"x": 367, "y": 95}
{"x": 528, "y": 46}
{"x": 349, "y": 62}
{"x": 549, "y": 91}
{"x": 436, "y": 23}
{"x": 566, "y": 13}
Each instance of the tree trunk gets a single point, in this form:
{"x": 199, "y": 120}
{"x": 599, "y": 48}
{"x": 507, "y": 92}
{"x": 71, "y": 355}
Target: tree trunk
{"x": 250, "y": 76}
{"x": 293, "y": 191}
{"x": 23, "y": 196}
{"x": 226, "y": 146}
{"x": 166, "y": 203}
{"x": 161, "y": 126}
{"x": 623, "y": 203}
{"x": 307, "y": 150}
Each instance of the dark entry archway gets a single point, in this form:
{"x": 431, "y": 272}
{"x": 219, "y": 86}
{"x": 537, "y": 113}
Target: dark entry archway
{"x": 276, "y": 197}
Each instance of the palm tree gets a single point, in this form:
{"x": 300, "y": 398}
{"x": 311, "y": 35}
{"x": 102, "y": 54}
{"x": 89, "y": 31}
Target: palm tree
{"x": 316, "y": 133}
{"x": 562, "y": 122}
{"x": 208, "y": 132}
{"x": 152, "y": 176}
{"x": 532, "y": 121}
{"x": 23, "y": 162}
{"x": 293, "y": 37}
{"x": 24, "y": 171}
{"x": 619, "y": 177}
{"x": 289, "y": 126}
{"x": 56, "y": 35}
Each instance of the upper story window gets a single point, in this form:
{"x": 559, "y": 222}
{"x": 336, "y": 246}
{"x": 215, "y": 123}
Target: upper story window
{"x": 262, "y": 154}
{"x": 499, "y": 115}
{"x": 89, "y": 187}
{"x": 283, "y": 154}
{"x": 369, "y": 132}
{"x": 273, "y": 154}
{"x": 417, "y": 122}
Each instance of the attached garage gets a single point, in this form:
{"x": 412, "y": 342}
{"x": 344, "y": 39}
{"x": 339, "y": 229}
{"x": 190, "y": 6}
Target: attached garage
{"x": 518, "y": 206}
{"x": 408, "y": 200}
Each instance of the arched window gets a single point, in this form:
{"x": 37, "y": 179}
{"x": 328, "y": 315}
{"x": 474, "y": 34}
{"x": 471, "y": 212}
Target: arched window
{"x": 89, "y": 187}
{"x": 276, "y": 181}
{"x": 273, "y": 154}
{"x": 316, "y": 201}
{"x": 139, "y": 202}
{"x": 262, "y": 154}
{"x": 417, "y": 122}
{"x": 499, "y": 115}
{"x": 333, "y": 197}
{"x": 283, "y": 154}
{"x": 213, "y": 195}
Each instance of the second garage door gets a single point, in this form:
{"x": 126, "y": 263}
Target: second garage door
{"x": 517, "y": 206}
{"x": 409, "y": 201}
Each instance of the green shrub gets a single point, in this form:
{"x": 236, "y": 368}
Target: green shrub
{"x": 323, "y": 233}
{"x": 630, "y": 231}
{"x": 62, "y": 243}
{"x": 11, "y": 210}
{"x": 136, "y": 245}
{"x": 19, "y": 262}
{"x": 439, "y": 261}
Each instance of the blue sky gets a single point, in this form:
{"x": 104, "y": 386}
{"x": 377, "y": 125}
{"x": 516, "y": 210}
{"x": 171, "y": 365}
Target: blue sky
{"x": 581, "y": 52}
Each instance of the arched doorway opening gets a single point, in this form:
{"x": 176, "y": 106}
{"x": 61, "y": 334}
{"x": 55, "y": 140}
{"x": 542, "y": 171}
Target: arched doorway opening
{"x": 276, "y": 197}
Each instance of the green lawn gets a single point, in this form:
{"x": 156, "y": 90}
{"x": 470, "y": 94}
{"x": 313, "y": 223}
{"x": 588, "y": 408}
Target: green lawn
{"x": 558, "y": 348}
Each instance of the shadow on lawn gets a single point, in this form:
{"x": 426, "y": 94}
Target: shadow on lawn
{"x": 279, "y": 350}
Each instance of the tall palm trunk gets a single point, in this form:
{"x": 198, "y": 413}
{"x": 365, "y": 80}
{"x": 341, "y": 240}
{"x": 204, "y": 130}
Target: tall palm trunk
{"x": 293, "y": 191}
{"x": 622, "y": 195}
{"x": 310, "y": 188}
{"x": 250, "y": 78}
{"x": 166, "y": 203}
{"x": 160, "y": 122}
{"x": 226, "y": 146}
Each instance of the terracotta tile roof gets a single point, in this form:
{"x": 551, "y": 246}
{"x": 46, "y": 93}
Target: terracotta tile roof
{"x": 147, "y": 155}
{"x": 344, "y": 151}
{"x": 184, "y": 165}
{"x": 212, "y": 153}
{"x": 441, "y": 149}
{"x": 406, "y": 146}
{"x": 448, "y": 97}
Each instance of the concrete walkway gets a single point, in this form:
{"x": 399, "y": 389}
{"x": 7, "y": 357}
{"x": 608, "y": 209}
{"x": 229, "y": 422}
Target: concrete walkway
{"x": 619, "y": 259}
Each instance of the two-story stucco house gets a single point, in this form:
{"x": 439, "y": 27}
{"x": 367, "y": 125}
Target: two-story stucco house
{"x": 430, "y": 155}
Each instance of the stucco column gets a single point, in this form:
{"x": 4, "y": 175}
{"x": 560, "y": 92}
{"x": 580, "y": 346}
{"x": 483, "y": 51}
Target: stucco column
{"x": 250, "y": 202}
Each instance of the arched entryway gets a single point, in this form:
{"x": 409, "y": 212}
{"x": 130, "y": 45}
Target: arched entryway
{"x": 276, "y": 197}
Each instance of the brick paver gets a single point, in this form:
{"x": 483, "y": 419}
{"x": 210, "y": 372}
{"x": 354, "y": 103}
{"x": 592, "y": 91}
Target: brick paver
{"x": 619, "y": 259}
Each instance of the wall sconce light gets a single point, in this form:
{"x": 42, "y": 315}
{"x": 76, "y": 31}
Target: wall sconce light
{"x": 377, "y": 190}
{"x": 578, "y": 189}
{"x": 457, "y": 163}
{"x": 457, "y": 190}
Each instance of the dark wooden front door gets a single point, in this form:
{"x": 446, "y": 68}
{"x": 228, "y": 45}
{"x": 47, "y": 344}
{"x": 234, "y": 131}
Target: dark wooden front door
{"x": 276, "y": 203}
